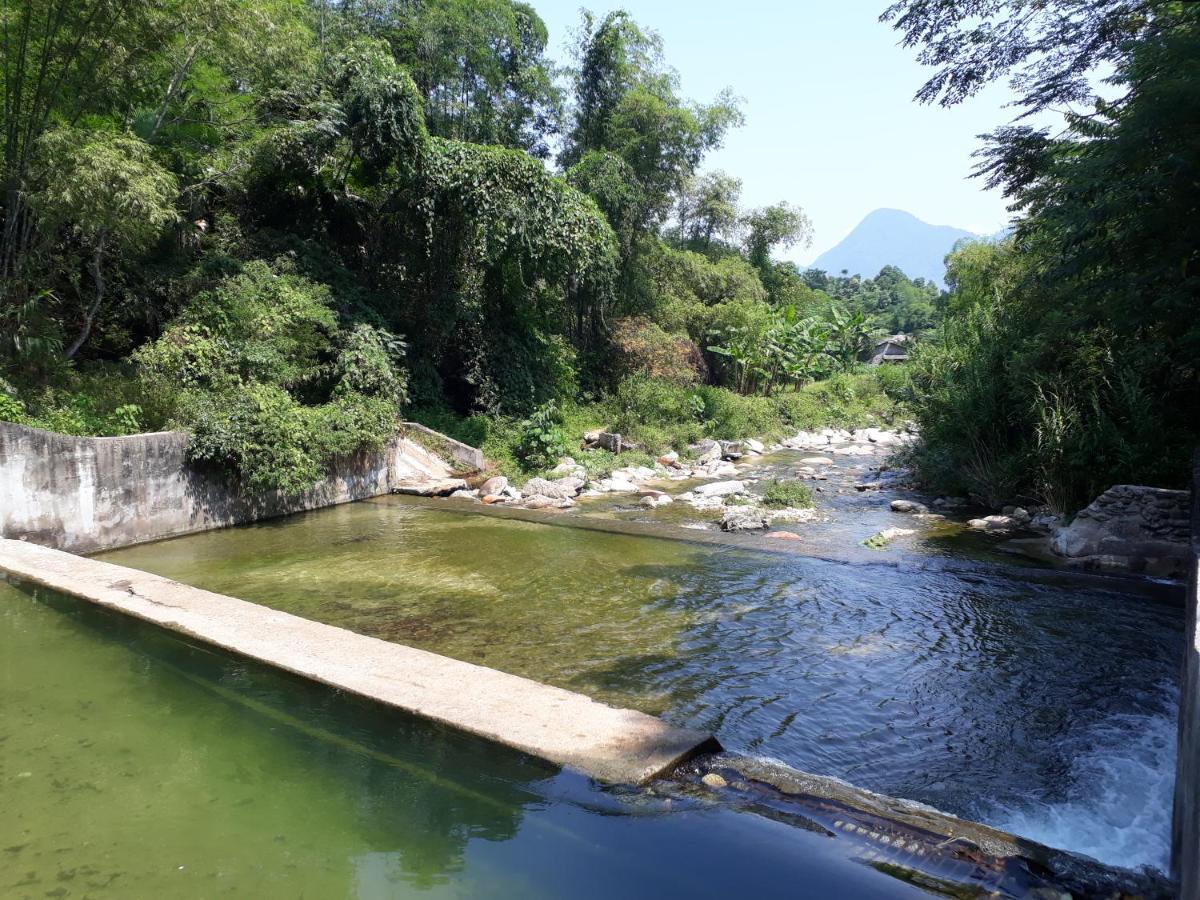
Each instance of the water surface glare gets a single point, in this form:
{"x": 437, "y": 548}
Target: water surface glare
{"x": 133, "y": 764}
{"x": 1047, "y": 709}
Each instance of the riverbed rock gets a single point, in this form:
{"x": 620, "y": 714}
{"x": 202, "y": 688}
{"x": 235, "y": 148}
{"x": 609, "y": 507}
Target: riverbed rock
{"x": 994, "y": 523}
{"x": 909, "y": 506}
{"x": 669, "y": 460}
{"x": 732, "y": 450}
{"x": 785, "y": 536}
{"x": 721, "y": 489}
{"x": 540, "y": 501}
{"x": 743, "y": 518}
{"x": 615, "y": 484}
{"x": 433, "y": 487}
{"x": 713, "y": 780}
{"x": 1131, "y": 528}
{"x": 473, "y": 496}
{"x": 707, "y": 451}
{"x": 816, "y": 461}
{"x": 494, "y": 486}
{"x": 653, "y": 501}
{"x": 560, "y": 489}
{"x": 754, "y": 446}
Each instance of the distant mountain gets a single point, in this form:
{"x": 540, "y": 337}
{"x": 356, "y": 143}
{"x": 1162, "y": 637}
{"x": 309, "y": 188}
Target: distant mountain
{"x": 892, "y": 237}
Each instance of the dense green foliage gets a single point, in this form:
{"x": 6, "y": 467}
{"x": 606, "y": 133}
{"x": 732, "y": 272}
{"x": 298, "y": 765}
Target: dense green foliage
{"x": 223, "y": 216}
{"x": 276, "y": 223}
{"x": 1069, "y": 357}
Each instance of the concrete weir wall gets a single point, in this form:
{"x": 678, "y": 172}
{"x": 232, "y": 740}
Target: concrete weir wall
{"x": 569, "y": 729}
{"x": 1185, "y": 833}
{"x": 84, "y": 494}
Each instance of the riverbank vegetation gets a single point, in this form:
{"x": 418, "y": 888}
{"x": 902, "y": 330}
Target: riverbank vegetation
{"x": 280, "y": 224}
{"x": 1068, "y": 357}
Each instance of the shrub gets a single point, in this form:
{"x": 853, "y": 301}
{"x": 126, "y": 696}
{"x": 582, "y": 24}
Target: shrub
{"x": 543, "y": 440}
{"x": 787, "y": 495}
{"x": 642, "y": 348}
{"x": 269, "y": 383}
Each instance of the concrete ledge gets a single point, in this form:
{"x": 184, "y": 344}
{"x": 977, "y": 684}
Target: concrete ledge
{"x": 568, "y": 729}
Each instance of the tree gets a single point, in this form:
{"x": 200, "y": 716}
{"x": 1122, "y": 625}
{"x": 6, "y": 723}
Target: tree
{"x": 109, "y": 192}
{"x": 626, "y": 102}
{"x": 1049, "y": 47}
{"x": 780, "y": 225}
{"x": 708, "y": 208}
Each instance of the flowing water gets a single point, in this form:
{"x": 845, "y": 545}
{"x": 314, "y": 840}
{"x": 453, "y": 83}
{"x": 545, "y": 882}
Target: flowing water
{"x": 1041, "y": 708}
{"x": 133, "y": 764}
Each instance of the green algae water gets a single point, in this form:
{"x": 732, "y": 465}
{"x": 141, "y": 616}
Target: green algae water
{"x": 1045, "y": 709}
{"x": 134, "y": 764}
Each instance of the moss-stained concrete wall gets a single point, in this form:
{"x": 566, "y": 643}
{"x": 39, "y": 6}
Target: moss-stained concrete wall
{"x": 1186, "y": 830}
{"x": 83, "y": 494}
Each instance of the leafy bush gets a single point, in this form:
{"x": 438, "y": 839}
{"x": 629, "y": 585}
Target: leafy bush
{"x": 787, "y": 495}
{"x": 268, "y": 382}
{"x": 543, "y": 440}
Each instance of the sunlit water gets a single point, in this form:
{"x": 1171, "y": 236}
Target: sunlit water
{"x": 1044, "y": 709}
{"x": 135, "y": 765}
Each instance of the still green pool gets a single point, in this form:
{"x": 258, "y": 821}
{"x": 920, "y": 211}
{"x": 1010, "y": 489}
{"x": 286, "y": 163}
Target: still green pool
{"x": 134, "y": 764}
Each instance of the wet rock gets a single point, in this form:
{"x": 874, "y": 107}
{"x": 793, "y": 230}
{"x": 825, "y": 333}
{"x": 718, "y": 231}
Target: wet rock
{"x": 617, "y": 485}
{"x": 562, "y": 489}
{"x": 869, "y": 486}
{"x": 713, "y": 780}
{"x": 721, "y": 489}
{"x": 881, "y": 539}
{"x": 652, "y": 501}
{"x": 491, "y": 499}
{"x": 994, "y": 523}
{"x": 473, "y": 496}
{"x": 785, "y": 536}
{"x": 494, "y": 486}
{"x": 909, "y": 506}
{"x": 539, "y": 501}
{"x": 816, "y": 461}
{"x": 754, "y": 446}
{"x": 744, "y": 518}
{"x": 669, "y": 460}
{"x": 439, "y": 487}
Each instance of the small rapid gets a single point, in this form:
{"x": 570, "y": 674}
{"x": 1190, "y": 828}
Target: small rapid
{"x": 1118, "y": 785}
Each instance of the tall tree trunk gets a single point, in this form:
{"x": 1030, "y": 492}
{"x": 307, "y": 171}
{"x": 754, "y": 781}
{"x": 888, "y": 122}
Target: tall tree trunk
{"x": 89, "y": 318}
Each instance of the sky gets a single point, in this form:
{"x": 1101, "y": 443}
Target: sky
{"x": 831, "y": 125}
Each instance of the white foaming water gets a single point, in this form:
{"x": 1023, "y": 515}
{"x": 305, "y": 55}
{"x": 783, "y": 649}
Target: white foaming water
{"x": 1122, "y": 782}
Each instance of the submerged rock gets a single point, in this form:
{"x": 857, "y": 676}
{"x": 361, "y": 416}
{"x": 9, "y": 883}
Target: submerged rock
{"x": 713, "y": 780}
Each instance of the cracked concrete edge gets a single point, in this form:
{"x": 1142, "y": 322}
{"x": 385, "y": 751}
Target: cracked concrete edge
{"x": 560, "y": 726}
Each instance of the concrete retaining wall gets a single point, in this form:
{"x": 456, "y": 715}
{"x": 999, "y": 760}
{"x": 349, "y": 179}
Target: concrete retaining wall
{"x": 1185, "y": 835}
{"x": 85, "y": 494}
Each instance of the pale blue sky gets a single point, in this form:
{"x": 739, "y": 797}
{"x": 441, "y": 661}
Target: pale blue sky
{"x": 830, "y": 122}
